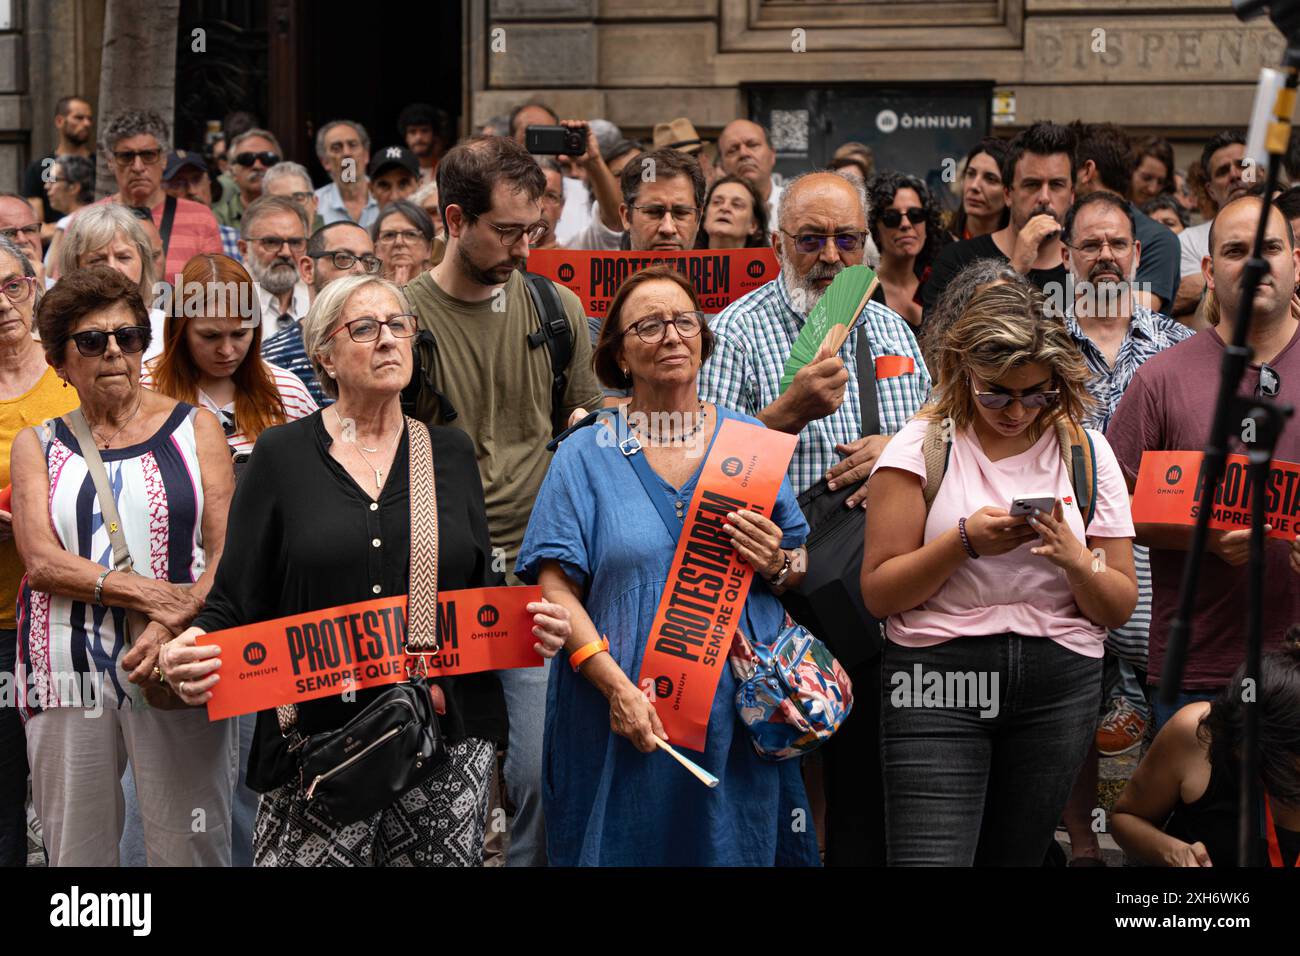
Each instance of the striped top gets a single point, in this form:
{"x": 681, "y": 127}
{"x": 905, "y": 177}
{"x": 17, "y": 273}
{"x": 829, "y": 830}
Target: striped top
{"x": 70, "y": 650}
{"x": 297, "y": 402}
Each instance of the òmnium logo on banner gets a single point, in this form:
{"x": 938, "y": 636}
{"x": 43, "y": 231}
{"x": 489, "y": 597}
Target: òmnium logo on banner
{"x": 254, "y": 653}
{"x": 731, "y": 467}
{"x": 663, "y": 687}
{"x": 565, "y": 272}
{"x": 756, "y": 269}
{"x": 1173, "y": 475}
{"x": 488, "y": 616}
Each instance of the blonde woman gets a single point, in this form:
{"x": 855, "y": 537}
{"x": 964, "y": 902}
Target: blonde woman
{"x": 995, "y": 622}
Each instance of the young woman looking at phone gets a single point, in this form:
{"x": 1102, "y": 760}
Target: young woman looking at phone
{"x": 1008, "y": 614}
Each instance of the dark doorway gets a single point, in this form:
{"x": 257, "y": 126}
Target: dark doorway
{"x": 355, "y": 65}
{"x": 297, "y": 64}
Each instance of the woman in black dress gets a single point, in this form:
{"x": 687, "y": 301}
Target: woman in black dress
{"x": 321, "y": 519}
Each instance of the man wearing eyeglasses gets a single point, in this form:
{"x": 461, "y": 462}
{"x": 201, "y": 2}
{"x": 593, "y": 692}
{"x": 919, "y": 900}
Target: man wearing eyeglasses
{"x": 19, "y": 224}
{"x": 1169, "y": 406}
{"x": 1038, "y": 171}
{"x": 135, "y": 143}
{"x": 1116, "y": 335}
{"x": 250, "y": 154}
{"x": 477, "y": 306}
{"x": 333, "y": 251}
{"x": 821, "y": 229}
{"x": 292, "y": 181}
{"x": 273, "y": 238}
{"x": 1103, "y": 161}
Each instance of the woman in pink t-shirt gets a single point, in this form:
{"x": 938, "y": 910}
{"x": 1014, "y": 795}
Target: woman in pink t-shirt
{"x": 996, "y": 623}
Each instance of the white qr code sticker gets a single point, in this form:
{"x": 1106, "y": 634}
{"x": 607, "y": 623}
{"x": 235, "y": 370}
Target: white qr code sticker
{"x": 790, "y": 131}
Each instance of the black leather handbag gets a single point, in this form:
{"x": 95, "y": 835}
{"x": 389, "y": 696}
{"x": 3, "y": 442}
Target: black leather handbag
{"x": 396, "y": 741}
{"x": 828, "y": 601}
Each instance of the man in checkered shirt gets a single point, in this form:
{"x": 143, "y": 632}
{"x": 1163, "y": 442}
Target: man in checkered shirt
{"x": 754, "y": 335}
{"x": 821, "y": 229}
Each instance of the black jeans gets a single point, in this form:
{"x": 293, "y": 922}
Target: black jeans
{"x": 982, "y": 738}
{"x": 855, "y": 795}
{"x": 13, "y": 762}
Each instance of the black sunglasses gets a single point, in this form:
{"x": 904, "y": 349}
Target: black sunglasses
{"x": 997, "y": 400}
{"x": 1270, "y": 383}
{"x": 268, "y": 159}
{"x": 129, "y": 338}
{"x": 893, "y": 218}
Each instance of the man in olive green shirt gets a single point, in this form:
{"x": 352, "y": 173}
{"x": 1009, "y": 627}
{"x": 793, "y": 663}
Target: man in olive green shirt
{"x": 476, "y": 303}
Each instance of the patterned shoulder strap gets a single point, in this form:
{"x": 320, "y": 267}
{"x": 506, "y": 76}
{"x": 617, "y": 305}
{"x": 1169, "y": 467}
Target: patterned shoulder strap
{"x": 422, "y": 606}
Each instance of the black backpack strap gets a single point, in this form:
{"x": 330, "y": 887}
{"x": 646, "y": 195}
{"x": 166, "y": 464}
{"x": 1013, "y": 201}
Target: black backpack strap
{"x": 867, "y": 398}
{"x": 555, "y": 333}
{"x": 422, "y": 383}
{"x": 165, "y": 229}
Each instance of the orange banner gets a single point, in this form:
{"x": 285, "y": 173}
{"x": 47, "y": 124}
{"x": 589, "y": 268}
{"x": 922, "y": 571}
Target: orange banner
{"x": 1169, "y": 485}
{"x": 340, "y": 649}
{"x": 889, "y": 366}
{"x": 720, "y": 276}
{"x": 708, "y": 582}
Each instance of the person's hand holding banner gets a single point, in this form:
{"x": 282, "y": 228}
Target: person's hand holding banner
{"x": 631, "y": 715}
{"x": 757, "y": 540}
{"x": 550, "y": 626}
{"x": 1233, "y": 547}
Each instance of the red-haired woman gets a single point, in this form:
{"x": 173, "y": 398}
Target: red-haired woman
{"x": 213, "y": 358}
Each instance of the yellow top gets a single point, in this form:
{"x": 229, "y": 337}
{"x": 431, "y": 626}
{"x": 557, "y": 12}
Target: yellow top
{"x": 46, "y": 399}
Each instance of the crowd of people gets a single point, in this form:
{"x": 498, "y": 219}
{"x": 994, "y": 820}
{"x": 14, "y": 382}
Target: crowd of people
{"x": 218, "y": 383}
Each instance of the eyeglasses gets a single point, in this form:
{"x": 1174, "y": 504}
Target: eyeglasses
{"x": 510, "y": 234}
{"x": 302, "y": 198}
{"x": 652, "y": 329}
{"x": 339, "y": 145}
{"x": 366, "y": 329}
{"x": 129, "y": 338}
{"x": 345, "y": 260}
{"x": 656, "y": 212}
{"x": 19, "y": 288}
{"x": 1269, "y": 384}
{"x": 813, "y": 242}
{"x": 1093, "y": 247}
{"x": 125, "y": 157}
{"x": 998, "y": 400}
{"x": 267, "y": 159}
{"x": 271, "y": 244}
{"x": 389, "y": 236}
{"x": 893, "y": 218}
{"x": 32, "y": 230}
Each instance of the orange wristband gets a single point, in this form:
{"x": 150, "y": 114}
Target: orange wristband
{"x": 582, "y": 654}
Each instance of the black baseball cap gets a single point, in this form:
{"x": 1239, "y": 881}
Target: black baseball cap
{"x": 179, "y": 159}
{"x": 392, "y": 156}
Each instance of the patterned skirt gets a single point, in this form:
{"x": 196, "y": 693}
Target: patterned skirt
{"x": 439, "y": 822}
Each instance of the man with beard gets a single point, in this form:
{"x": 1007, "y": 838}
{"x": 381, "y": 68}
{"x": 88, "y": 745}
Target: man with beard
{"x": 73, "y": 120}
{"x": 1115, "y": 335}
{"x": 476, "y": 304}
{"x": 424, "y": 130}
{"x": 273, "y": 237}
{"x": 135, "y": 143}
{"x": 1168, "y": 407}
{"x": 1038, "y": 173}
{"x": 821, "y": 229}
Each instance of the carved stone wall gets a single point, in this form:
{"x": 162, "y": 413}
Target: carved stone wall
{"x": 1179, "y": 67}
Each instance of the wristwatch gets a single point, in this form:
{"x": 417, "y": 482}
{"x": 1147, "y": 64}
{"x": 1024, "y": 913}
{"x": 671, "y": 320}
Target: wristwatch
{"x": 778, "y": 579}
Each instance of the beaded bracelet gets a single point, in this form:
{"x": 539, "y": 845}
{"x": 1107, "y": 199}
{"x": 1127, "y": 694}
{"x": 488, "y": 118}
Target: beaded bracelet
{"x": 965, "y": 541}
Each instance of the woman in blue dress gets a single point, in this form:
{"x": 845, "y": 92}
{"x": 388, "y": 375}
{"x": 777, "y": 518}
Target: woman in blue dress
{"x": 597, "y": 544}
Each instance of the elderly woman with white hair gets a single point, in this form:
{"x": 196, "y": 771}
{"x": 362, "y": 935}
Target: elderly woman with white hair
{"x": 324, "y": 517}
{"x": 112, "y": 235}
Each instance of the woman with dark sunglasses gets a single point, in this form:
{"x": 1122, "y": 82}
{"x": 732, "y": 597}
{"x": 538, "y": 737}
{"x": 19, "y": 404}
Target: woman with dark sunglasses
{"x": 995, "y": 622}
{"x": 89, "y": 633}
{"x": 906, "y": 225}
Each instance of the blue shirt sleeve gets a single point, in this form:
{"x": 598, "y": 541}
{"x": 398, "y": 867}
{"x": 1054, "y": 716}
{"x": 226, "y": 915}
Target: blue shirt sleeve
{"x": 561, "y": 523}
